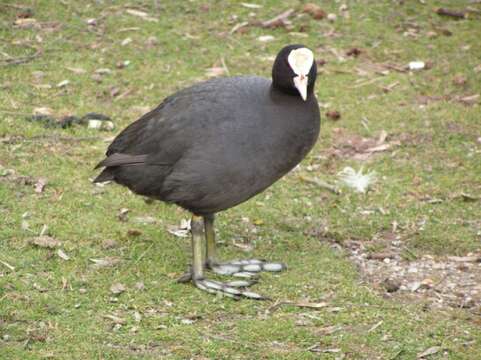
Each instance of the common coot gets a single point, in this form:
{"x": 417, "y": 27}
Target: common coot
{"x": 216, "y": 144}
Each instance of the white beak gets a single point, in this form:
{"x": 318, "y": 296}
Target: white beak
{"x": 300, "y": 82}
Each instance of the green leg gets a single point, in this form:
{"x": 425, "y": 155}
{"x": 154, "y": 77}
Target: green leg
{"x": 197, "y": 248}
{"x": 211, "y": 253}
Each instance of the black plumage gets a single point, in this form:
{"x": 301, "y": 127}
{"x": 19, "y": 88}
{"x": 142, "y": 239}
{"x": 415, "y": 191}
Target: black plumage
{"x": 217, "y": 143}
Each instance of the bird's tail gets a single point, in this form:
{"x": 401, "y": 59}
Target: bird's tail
{"x": 105, "y": 175}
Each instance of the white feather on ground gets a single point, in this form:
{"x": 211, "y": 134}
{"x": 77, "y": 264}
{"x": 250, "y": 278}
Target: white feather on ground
{"x": 357, "y": 180}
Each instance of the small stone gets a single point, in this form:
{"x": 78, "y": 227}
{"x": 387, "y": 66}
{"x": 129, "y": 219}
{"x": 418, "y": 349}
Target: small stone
{"x": 117, "y": 288}
{"x": 333, "y": 115}
{"x": 139, "y": 285}
{"x": 416, "y": 65}
{"x": 126, "y": 41}
{"x": 314, "y": 10}
{"x": 63, "y": 83}
{"x": 391, "y": 285}
{"x": 331, "y": 17}
{"x": 97, "y": 78}
{"x": 414, "y": 286}
{"x": 109, "y": 244}
{"x": 265, "y": 38}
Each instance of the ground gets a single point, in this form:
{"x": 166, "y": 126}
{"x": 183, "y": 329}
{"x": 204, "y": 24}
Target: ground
{"x": 392, "y": 273}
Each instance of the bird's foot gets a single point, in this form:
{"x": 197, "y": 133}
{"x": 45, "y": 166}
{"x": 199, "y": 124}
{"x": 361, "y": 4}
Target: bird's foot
{"x": 245, "y": 268}
{"x": 235, "y": 289}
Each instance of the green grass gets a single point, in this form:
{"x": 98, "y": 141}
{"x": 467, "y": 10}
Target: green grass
{"x": 438, "y": 157}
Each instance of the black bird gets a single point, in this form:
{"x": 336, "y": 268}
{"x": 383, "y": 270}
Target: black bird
{"x": 216, "y": 144}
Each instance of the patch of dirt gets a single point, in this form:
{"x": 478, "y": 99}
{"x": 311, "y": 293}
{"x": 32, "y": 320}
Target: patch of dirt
{"x": 347, "y": 145}
{"x": 414, "y": 138}
{"x": 10, "y": 175}
{"x": 448, "y": 281}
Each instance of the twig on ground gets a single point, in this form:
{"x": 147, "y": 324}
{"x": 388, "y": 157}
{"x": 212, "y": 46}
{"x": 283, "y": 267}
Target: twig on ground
{"x": 321, "y": 184}
{"x": 19, "y": 60}
{"x": 238, "y": 26}
{"x": 279, "y": 20}
{"x": 366, "y": 82}
{"x": 451, "y": 13}
{"x": 7, "y": 265}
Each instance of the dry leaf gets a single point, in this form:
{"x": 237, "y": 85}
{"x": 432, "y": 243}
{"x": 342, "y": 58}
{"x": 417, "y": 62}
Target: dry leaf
{"x": 141, "y": 14}
{"x": 431, "y": 351}
{"x": 331, "y": 17}
{"x": 470, "y": 259}
{"x": 311, "y": 305}
{"x": 62, "y": 254}
{"x": 301, "y": 304}
{"x": 360, "y": 148}
{"x": 134, "y": 232}
{"x": 103, "y": 71}
{"x": 26, "y": 23}
{"x": 389, "y": 87}
{"x": 115, "y": 319}
{"x": 215, "y": 71}
{"x": 137, "y": 316}
{"x": 251, "y": 6}
{"x": 354, "y": 52}
{"x": 239, "y": 26}
{"x": 145, "y": 220}
{"x": 126, "y": 41}
{"x": 318, "y": 349}
{"x": 279, "y": 20}
{"x": 333, "y": 115}
{"x": 77, "y": 71}
{"x": 459, "y": 80}
{"x": 265, "y": 38}
{"x": 467, "y": 197}
{"x": 6, "y": 264}
{"x": 242, "y": 246}
{"x": 42, "y": 111}
{"x": 39, "y": 287}
{"x": 117, "y": 288}
{"x": 105, "y": 262}
{"x": 136, "y": 13}
{"x": 381, "y": 255}
{"x": 139, "y": 285}
{"x": 468, "y": 100}
{"x": 63, "y": 83}
{"x": 122, "y": 215}
{"x": 314, "y": 10}
{"x": 328, "y": 330}
{"x": 451, "y": 13}
{"x": 45, "y": 242}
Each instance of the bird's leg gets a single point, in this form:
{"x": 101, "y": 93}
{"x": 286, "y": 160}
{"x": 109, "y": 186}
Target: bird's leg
{"x": 197, "y": 250}
{"x": 211, "y": 250}
{"x": 231, "y": 289}
{"x": 240, "y": 268}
